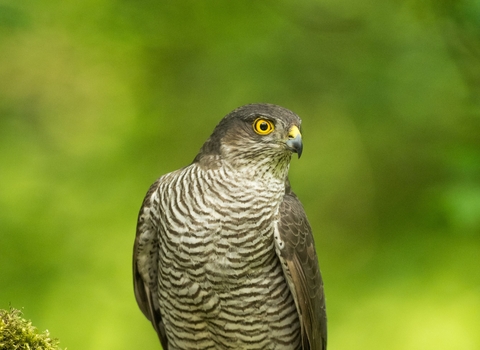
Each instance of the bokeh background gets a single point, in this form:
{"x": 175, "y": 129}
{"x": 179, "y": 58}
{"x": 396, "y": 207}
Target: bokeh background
{"x": 98, "y": 98}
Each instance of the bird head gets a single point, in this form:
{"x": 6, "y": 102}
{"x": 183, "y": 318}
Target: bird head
{"x": 255, "y": 135}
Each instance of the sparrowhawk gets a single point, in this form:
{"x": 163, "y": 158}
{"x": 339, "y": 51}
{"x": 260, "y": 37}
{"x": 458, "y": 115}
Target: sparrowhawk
{"x": 224, "y": 256}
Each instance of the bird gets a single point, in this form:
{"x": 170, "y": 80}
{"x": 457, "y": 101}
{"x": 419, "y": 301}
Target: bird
{"x": 224, "y": 256}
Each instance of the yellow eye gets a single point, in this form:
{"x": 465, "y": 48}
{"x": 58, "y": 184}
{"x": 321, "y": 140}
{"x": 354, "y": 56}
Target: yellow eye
{"x": 262, "y": 126}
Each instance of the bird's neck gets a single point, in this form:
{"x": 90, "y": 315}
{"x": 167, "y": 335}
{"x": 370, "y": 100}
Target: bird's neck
{"x": 262, "y": 169}
{"x": 252, "y": 165}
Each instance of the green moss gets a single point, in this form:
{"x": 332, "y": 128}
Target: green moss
{"x": 18, "y": 333}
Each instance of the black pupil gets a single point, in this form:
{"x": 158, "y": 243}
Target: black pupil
{"x": 264, "y": 126}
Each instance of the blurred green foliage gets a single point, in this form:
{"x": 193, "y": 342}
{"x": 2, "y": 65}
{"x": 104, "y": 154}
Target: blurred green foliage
{"x": 98, "y": 98}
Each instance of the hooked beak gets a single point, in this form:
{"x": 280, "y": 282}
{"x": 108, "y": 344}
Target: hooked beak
{"x": 294, "y": 142}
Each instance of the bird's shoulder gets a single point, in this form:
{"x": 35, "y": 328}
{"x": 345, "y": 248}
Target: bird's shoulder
{"x": 295, "y": 247}
{"x": 146, "y": 253}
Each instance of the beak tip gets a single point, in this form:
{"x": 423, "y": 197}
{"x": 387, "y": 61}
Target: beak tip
{"x": 295, "y": 145}
{"x": 299, "y": 152}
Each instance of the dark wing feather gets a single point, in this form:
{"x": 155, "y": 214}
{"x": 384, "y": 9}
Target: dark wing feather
{"x": 145, "y": 260}
{"x": 300, "y": 264}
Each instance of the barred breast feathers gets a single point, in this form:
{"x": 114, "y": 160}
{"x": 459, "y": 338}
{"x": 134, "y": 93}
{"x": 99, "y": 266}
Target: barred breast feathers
{"x": 217, "y": 261}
